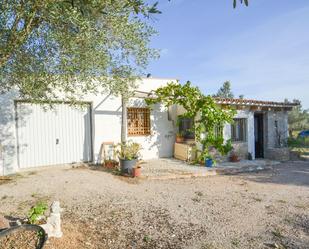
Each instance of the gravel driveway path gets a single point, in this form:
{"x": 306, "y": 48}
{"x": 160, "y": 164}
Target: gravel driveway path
{"x": 269, "y": 209}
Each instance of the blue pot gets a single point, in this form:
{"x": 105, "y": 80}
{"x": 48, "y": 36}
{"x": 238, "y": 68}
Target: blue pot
{"x": 208, "y": 162}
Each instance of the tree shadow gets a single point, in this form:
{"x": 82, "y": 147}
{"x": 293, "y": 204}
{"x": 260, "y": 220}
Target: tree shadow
{"x": 9, "y": 122}
{"x": 287, "y": 173}
{"x": 108, "y": 110}
{"x": 293, "y": 232}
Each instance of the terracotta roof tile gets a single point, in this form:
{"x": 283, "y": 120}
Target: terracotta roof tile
{"x": 253, "y": 102}
{"x": 229, "y": 101}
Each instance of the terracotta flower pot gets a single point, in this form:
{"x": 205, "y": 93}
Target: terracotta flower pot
{"x": 137, "y": 171}
{"x": 109, "y": 164}
{"x": 180, "y": 139}
{"x": 234, "y": 158}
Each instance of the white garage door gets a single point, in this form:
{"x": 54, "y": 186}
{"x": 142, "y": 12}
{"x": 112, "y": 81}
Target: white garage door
{"x": 53, "y": 136}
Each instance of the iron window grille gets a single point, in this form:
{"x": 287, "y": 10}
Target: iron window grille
{"x": 138, "y": 121}
{"x": 239, "y": 130}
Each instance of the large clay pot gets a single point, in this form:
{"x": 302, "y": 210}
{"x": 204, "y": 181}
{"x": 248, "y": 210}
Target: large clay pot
{"x": 126, "y": 166}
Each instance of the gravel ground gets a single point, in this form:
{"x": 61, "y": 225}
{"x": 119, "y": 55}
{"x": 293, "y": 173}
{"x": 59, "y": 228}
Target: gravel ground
{"x": 171, "y": 168}
{"x": 269, "y": 209}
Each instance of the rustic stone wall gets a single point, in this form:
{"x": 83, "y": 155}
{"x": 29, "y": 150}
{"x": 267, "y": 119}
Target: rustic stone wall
{"x": 278, "y": 154}
{"x": 272, "y": 133}
{"x": 241, "y": 149}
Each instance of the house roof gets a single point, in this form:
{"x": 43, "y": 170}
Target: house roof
{"x": 235, "y": 102}
{"x": 253, "y": 102}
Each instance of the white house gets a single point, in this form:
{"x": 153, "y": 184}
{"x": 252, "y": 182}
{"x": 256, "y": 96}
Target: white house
{"x": 33, "y": 136}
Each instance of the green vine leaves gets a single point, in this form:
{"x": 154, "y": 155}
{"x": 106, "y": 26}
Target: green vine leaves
{"x": 208, "y": 115}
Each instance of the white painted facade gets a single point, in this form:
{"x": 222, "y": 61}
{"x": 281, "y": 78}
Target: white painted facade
{"x": 31, "y": 136}
{"x": 52, "y": 136}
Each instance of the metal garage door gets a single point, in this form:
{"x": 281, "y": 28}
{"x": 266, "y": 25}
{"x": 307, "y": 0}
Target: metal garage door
{"x": 53, "y": 136}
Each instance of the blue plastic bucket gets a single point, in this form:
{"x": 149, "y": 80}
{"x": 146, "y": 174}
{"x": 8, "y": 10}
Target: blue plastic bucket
{"x": 208, "y": 162}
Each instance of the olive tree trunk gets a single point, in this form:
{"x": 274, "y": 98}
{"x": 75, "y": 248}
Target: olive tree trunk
{"x": 123, "y": 119}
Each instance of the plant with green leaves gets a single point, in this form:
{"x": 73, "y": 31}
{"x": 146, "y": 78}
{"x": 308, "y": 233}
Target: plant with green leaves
{"x": 36, "y": 212}
{"x": 207, "y": 115}
{"x": 298, "y": 118}
{"x": 73, "y": 47}
{"x": 128, "y": 151}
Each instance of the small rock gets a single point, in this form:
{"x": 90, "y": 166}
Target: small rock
{"x": 4, "y": 223}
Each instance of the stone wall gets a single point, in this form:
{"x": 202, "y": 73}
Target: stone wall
{"x": 278, "y": 154}
{"x": 241, "y": 149}
{"x": 276, "y": 136}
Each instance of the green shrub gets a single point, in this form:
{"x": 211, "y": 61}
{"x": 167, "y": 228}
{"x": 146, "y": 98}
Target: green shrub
{"x": 298, "y": 142}
{"x": 36, "y": 212}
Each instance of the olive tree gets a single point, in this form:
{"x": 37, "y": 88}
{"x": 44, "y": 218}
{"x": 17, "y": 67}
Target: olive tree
{"x": 49, "y": 46}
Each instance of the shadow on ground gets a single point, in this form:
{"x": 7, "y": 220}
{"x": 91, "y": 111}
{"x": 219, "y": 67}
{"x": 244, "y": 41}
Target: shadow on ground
{"x": 288, "y": 173}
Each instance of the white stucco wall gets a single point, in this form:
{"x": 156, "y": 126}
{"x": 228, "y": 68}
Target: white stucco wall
{"x": 8, "y": 159}
{"x": 106, "y": 126}
{"x": 107, "y": 122}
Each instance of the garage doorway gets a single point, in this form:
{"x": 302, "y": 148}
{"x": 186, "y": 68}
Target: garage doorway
{"x": 50, "y": 136}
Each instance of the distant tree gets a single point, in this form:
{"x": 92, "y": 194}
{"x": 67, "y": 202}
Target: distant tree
{"x": 225, "y": 91}
{"x": 241, "y": 96}
{"x": 246, "y": 2}
{"x": 298, "y": 118}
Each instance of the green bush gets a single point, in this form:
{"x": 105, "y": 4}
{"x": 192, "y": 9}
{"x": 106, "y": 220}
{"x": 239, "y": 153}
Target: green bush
{"x": 298, "y": 142}
{"x": 36, "y": 212}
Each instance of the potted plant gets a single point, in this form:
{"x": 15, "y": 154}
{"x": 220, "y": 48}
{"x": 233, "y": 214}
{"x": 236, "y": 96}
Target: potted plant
{"x": 209, "y": 161}
{"x": 128, "y": 154}
{"x": 180, "y": 137}
{"x": 110, "y": 164}
{"x": 234, "y": 156}
{"x": 137, "y": 171}
{"x": 206, "y": 159}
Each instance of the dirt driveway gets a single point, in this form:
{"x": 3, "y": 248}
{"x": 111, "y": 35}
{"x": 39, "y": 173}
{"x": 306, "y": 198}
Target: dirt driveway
{"x": 258, "y": 210}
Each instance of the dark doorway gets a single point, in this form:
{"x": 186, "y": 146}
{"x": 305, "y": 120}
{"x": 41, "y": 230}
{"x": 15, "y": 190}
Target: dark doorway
{"x": 259, "y": 135}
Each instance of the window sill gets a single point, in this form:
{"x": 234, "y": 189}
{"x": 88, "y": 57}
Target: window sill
{"x": 140, "y": 135}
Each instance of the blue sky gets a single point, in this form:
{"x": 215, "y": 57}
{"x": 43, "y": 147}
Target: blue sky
{"x": 262, "y": 49}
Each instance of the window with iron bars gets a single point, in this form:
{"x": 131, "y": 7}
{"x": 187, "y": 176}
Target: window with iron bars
{"x": 239, "y": 130}
{"x": 218, "y": 131}
{"x": 138, "y": 121}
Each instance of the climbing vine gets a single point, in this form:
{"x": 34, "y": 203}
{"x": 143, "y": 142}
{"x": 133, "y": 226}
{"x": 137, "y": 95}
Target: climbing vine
{"x": 208, "y": 115}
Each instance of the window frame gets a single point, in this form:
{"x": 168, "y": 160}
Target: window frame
{"x": 218, "y": 131}
{"x": 183, "y": 123}
{"x": 240, "y": 126}
{"x": 145, "y": 129}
